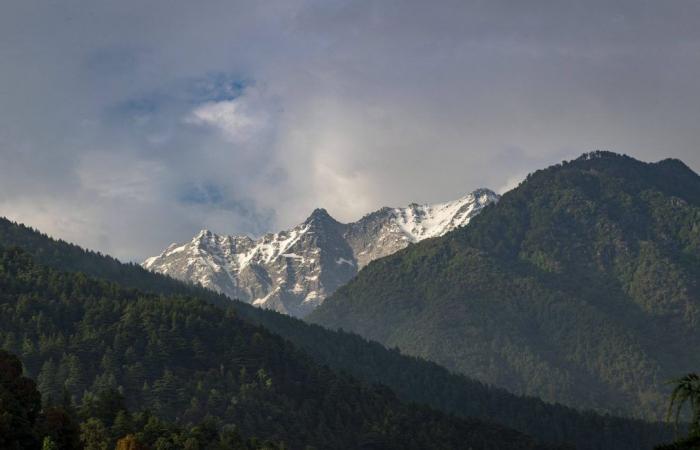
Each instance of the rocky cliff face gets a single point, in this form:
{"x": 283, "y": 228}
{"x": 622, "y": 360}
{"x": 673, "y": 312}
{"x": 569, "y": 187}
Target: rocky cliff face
{"x": 293, "y": 271}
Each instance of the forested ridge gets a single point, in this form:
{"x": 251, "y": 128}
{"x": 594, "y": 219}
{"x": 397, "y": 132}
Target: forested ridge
{"x": 411, "y": 378}
{"x": 186, "y": 361}
{"x": 422, "y": 381}
{"x": 580, "y": 286}
{"x": 64, "y": 256}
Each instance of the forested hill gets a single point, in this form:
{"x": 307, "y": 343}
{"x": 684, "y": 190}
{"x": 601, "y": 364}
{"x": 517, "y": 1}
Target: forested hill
{"x": 580, "y": 286}
{"x": 185, "y": 360}
{"x": 64, "y": 256}
{"x": 412, "y": 379}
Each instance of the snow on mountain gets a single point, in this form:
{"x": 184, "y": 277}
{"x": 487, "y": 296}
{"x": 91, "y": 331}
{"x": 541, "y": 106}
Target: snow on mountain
{"x": 293, "y": 271}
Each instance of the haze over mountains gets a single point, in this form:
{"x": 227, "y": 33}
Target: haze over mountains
{"x": 293, "y": 271}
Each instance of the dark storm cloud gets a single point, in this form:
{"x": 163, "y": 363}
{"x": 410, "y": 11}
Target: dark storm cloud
{"x": 127, "y": 125}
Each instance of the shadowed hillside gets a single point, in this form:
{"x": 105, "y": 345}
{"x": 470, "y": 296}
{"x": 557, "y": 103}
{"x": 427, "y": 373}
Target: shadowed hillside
{"x": 580, "y": 286}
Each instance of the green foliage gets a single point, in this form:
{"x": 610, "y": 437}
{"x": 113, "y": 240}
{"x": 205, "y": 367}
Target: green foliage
{"x": 142, "y": 431}
{"x": 686, "y": 390}
{"x": 20, "y": 404}
{"x": 186, "y": 361}
{"x": 58, "y": 424}
{"x": 580, "y": 286}
{"x": 413, "y": 379}
{"x": 24, "y": 424}
{"x": 57, "y": 429}
{"x": 94, "y": 435}
{"x": 48, "y": 444}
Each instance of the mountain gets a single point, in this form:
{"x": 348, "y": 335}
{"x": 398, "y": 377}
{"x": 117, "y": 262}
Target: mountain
{"x": 293, "y": 271}
{"x": 412, "y": 379}
{"x": 580, "y": 286}
{"x": 186, "y": 361}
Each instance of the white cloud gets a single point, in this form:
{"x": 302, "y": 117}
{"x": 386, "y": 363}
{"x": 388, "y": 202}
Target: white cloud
{"x": 239, "y": 120}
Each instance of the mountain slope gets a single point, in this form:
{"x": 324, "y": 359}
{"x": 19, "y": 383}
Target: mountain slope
{"x": 185, "y": 360}
{"x": 580, "y": 286}
{"x": 411, "y": 378}
{"x": 293, "y": 271}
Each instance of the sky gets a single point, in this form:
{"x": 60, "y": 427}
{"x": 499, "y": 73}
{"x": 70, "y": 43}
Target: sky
{"x": 128, "y": 125}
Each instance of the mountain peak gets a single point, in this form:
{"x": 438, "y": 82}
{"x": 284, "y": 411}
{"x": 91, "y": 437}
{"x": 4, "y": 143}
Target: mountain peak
{"x": 294, "y": 270}
{"x": 479, "y": 192}
{"x": 203, "y": 234}
{"x": 320, "y": 212}
{"x": 483, "y": 196}
{"x": 320, "y": 215}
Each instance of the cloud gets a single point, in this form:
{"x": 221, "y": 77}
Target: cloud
{"x": 109, "y": 175}
{"x": 238, "y": 119}
{"x": 125, "y": 126}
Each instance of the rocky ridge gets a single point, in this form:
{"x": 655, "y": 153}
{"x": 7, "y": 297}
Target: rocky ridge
{"x": 294, "y": 270}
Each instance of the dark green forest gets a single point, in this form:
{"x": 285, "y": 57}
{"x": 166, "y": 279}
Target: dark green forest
{"x": 186, "y": 361}
{"x": 422, "y": 381}
{"x": 101, "y": 422}
{"x": 580, "y": 286}
{"x": 413, "y": 379}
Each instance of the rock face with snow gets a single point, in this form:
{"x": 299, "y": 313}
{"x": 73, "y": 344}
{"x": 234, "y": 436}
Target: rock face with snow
{"x": 293, "y": 271}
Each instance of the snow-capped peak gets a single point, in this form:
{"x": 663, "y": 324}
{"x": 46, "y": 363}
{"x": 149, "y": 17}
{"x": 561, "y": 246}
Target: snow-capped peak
{"x": 294, "y": 270}
{"x": 203, "y": 233}
{"x": 420, "y": 222}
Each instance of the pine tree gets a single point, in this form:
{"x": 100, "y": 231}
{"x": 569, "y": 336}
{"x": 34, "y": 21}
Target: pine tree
{"x": 20, "y": 403}
{"x": 94, "y": 435}
{"x": 47, "y": 382}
